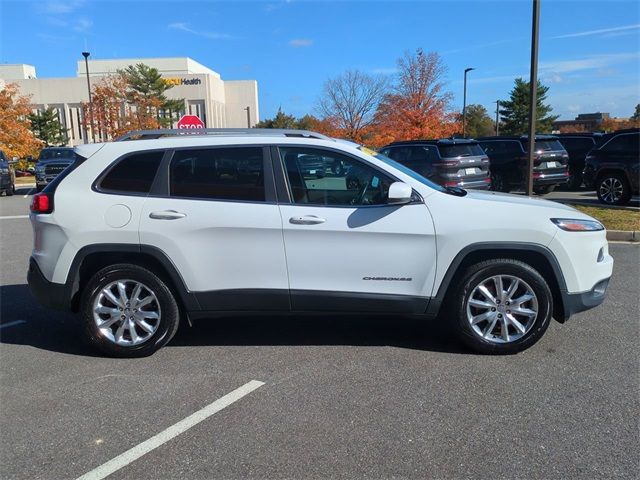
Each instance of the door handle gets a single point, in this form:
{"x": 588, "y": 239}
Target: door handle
{"x": 306, "y": 220}
{"x": 167, "y": 215}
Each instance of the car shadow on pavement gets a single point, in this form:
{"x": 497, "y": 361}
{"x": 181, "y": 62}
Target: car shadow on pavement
{"x": 60, "y": 331}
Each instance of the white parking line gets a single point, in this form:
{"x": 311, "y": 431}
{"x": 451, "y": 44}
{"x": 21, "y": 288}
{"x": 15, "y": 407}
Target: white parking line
{"x": 13, "y": 217}
{"x": 11, "y": 324}
{"x": 161, "y": 438}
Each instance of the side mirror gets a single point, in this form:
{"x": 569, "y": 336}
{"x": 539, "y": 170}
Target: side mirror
{"x": 399, "y": 193}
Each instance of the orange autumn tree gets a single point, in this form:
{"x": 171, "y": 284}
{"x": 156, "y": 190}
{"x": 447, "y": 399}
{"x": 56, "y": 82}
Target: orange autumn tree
{"x": 16, "y": 137}
{"x": 418, "y": 107}
{"x": 114, "y": 112}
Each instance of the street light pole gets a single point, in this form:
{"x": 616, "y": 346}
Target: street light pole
{"x": 533, "y": 91}
{"x": 86, "y": 65}
{"x": 497, "y": 118}
{"x": 464, "y": 103}
{"x": 248, "y": 109}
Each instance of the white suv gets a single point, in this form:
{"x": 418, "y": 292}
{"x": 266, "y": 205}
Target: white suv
{"x": 139, "y": 234}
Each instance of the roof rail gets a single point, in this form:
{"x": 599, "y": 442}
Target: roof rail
{"x": 258, "y": 132}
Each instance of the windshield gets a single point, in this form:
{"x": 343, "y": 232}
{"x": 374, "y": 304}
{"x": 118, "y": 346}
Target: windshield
{"x": 57, "y": 153}
{"x": 398, "y": 166}
{"x": 546, "y": 145}
{"x": 461, "y": 150}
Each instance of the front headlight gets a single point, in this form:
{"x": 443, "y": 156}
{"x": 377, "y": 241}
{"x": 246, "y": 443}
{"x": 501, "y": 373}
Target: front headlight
{"x": 576, "y": 225}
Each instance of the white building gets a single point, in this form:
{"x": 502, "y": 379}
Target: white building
{"x": 219, "y": 103}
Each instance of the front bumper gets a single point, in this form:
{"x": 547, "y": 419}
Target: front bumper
{"x": 579, "y": 302}
{"x": 49, "y": 294}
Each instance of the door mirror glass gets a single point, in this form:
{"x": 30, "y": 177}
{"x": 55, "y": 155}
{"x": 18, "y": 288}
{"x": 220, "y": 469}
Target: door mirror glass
{"x": 399, "y": 193}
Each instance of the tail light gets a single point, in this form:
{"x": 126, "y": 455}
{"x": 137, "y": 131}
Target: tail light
{"x": 487, "y": 180}
{"x": 484, "y": 160}
{"x": 450, "y": 184}
{"x": 42, "y": 203}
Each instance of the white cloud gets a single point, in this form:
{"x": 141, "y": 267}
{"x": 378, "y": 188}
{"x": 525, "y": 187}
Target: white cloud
{"x": 82, "y": 24}
{"x": 599, "y": 31}
{"x": 588, "y": 63}
{"x": 201, "y": 33}
{"x": 301, "y": 42}
{"x": 58, "y": 7}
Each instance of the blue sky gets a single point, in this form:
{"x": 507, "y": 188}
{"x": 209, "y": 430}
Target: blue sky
{"x": 589, "y": 50}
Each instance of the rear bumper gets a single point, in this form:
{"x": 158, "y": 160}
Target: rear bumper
{"x": 579, "y": 302}
{"x": 541, "y": 178}
{"x": 49, "y": 294}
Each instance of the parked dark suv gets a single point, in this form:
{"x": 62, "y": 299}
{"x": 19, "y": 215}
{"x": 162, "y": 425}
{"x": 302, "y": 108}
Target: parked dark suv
{"x": 508, "y": 157}
{"x": 7, "y": 176}
{"x": 613, "y": 167}
{"x": 51, "y": 162}
{"x": 578, "y": 145}
{"x": 448, "y": 162}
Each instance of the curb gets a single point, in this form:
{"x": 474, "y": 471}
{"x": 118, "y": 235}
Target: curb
{"x": 623, "y": 236}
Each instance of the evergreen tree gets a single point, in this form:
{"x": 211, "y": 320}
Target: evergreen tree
{"x": 636, "y": 115}
{"x": 479, "y": 123}
{"x": 282, "y": 120}
{"x": 46, "y": 126}
{"x": 146, "y": 90}
{"x": 515, "y": 111}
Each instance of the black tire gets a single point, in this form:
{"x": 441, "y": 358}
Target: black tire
{"x": 499, "y": 182}
{"x": 11, "y": 190}
{"x": 474, "y": 276}
{"x": 544, "y": 189}
{"x": 613, "y": 189}
{"x": 575, "y": 179}
{"x": 167, "y": 323}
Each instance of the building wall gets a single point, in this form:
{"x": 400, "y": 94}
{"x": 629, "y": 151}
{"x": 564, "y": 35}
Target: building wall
{"x": 219, "y": 103}
{"x": 241, "y": 94}
{"x": 17, "y": 71}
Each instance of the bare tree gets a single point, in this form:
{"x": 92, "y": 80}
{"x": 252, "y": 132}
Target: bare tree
{"x": 351, "y": 99}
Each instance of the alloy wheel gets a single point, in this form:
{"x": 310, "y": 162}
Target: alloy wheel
{"x": 502, "y": 309}
{"x": 127, "y": 312}
{"x": 611, "y": 190}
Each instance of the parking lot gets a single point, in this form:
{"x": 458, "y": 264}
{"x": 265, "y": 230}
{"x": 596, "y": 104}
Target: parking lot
{"x": 343, "y": 397}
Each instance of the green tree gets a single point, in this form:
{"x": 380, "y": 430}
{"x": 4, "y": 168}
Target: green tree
{"x": 46, "y": 126}
{"x": 636, "y": 115}
{"x": 515, "y": 111}
{"x": 146, "y": 90}
{"x": 282, "y": 120}
{"x": 479, "y": 123}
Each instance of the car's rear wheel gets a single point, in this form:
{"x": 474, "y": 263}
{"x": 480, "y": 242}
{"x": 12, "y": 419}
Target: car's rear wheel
{"x": 613, "y": 189}
{"x": 575, "y": 179}
{"x": 128, "y": 311}
{"x": 499, "y": 182}
{"x": 502, "y": 306}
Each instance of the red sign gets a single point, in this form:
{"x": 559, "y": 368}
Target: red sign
{"x": 190, "y": 121}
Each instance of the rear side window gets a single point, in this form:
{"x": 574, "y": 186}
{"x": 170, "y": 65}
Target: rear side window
{"x": 462, "y": 150}
{"x": 577, "y": 143}
{"x": 218, "y": 173}
{"x": 629, "y": 142}
{"x": 133, "y": 174}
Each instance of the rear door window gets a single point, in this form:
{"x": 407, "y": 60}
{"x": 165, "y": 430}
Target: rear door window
{"x": 628, "y": 142}
{"x": 232, "y": 174}
{"x": 133, "y": 174}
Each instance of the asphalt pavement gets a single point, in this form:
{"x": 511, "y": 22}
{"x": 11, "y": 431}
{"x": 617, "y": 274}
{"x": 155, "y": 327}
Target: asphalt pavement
{"x": 343, "y": 397}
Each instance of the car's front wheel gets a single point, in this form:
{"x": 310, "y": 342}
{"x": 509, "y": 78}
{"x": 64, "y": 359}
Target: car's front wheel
{"x": 613, "y": 189}
{"x": 128, "y": 311}
{"x": 502, "y": 306}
